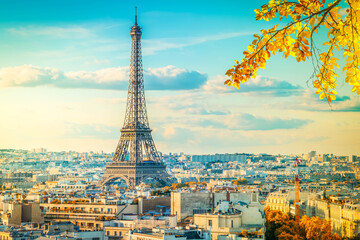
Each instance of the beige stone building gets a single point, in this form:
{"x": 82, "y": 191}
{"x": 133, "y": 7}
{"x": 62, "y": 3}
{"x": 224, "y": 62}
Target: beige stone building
{"x": 88, "y": 216}
{"x": 20, "y": 234}
{"x": 116, "y": 233}
{"x": 229, "y": 219}
{"x": 223, "y": 224}
{"x": 344, "y": 217}
{"x": 350, "y": 220}
{"x": 151, "y": 203}
{"x": 284, "y": 201}
{"x": 148, "y": 221}
{"x": 16, "y": 212}
{"x": 279, "y": 201}
{"x": 120, "y": 228}
{"x": 170, "y": 234}
{"x": 186, "y": 204}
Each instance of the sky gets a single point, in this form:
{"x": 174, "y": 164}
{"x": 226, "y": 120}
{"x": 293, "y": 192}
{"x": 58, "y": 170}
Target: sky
{"x": 64, "y": 71}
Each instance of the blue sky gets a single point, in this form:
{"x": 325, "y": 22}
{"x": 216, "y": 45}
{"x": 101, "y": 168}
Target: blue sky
{"x": 63, "y": 81}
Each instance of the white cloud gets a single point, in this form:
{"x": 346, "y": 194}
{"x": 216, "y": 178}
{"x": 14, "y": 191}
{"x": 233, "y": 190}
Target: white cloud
{"x": 168, "y": 71}
{"x": 249, "y": 122}
{"x": 169, "y": 132}
{"x": 259, "y": 85}
{"x": 216, "y": 84}
{"x": 173, "y": 78}
{"x": 27, "y": 75}
{"x": 101, "y": 76}
{"x": 309, "y": 101}
{"x": 116, "y": 78}
{"x": 351, "y": 105}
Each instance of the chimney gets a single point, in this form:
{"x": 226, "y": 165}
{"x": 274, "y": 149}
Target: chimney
{"x": 228, "y": 196}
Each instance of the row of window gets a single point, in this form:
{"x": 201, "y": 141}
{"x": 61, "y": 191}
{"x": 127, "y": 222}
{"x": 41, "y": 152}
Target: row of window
{"x": 210, "y": 223}
{"x": 276, "y": 200}
{"x": 115, "y": 233}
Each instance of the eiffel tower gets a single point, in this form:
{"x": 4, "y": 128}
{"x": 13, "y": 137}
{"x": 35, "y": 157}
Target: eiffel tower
{"x": 129, "y": 162}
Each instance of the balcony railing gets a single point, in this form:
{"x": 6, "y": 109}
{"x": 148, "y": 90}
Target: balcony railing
{"x": 57, "y": 216}
{"x": 80, "y": 212}
{"x": 128, "y": 163}
{"x": 79, "y": 217}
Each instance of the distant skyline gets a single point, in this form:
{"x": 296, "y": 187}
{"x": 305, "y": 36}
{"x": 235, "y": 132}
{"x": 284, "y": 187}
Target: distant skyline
{"x": 64, "y": 72}
{"x": 44, "y": 150}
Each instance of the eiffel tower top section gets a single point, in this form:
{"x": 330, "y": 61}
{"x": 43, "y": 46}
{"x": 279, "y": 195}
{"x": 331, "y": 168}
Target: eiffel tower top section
{"x": 136, "y": 115}
{"x": 136, "y": 29}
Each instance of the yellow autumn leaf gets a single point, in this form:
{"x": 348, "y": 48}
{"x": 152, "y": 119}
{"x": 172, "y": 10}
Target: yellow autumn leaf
{"x": 295, "y": 37}
{"x": 322, "y": 95}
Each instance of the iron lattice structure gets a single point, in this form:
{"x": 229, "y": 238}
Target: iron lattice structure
{"x": 136, "y": 134}
{"x": 135, "y": 157}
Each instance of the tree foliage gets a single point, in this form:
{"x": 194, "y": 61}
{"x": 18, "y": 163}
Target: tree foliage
{"x": 280, "y": 226}
{"x": 357, "y": 237}
{"x": 302, "y": 21}
{"x": 317, "y": 228}
{"x": 242, "y": 181}
{"x": 187, "y": 184}
{"x": 274, "y": 220}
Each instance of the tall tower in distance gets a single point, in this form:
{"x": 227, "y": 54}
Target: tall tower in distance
{"x": 135, "y": 157}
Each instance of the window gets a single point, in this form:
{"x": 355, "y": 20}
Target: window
{"x": 108, "y": 233}
{"x": 232, "y": 223}
{"x": 210, "y": 223}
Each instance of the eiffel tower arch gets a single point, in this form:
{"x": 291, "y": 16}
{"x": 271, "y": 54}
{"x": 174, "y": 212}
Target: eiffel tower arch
{"x": 135, "y": 157}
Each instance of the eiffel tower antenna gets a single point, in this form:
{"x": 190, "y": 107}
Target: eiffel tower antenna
{"x": 135, "y": 157}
